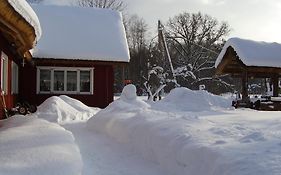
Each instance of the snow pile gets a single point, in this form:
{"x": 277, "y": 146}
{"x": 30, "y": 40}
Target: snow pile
{"x": 81, "y": 33}
{"x": 184, "y": 143}
{"x": 32, "y": 146}
{"x": 158, "y": 136}
{"x": 129, "y": 99}
{"x": 224, "y": 142}
{"x": 63, "y": 109}
{"x": 24, "y": 9}
{"x": 183, "y": 99}
{"x": 253, "y": 53}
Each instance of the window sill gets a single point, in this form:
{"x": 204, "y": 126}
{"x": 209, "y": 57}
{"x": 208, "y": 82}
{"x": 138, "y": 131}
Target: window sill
{"x": 67, "y": 93}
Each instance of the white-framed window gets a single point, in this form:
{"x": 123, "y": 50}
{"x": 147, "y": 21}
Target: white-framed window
{"x": 4, "y": 72}
{"x": 15, "y": 78}
{"x": 65, "y": 80}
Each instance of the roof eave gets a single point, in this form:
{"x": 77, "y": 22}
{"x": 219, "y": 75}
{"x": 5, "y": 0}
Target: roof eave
{"x": 16, "y": 29}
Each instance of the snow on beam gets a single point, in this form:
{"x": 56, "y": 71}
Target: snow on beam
{"x": 24, "y": 9}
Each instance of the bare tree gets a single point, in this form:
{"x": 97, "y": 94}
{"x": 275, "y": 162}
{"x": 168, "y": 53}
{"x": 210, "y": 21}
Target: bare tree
{"x": 136, "y": 29}
{"x": 110, "y": 4}
{"x": 195, "y": 41}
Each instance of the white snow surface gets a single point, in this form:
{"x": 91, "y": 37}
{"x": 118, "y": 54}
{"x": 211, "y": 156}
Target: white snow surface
{"x": 225, "y": 142}
{"x": 24, "y": 9}
{"x": 254, "y": 53}
{"x": 32, "y": 146}
{"x": 184, "y": 99}
{"x": 63, "y": 109}
{"x": 131, "y": 136}
{"x": 81, "y": 33}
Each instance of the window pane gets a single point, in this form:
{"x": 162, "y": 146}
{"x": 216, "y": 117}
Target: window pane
{"x": 45, "y": 80}
{"x": 15, "y": 75}
{"x": 58, "y": 80}
{"x": 71, "y": 81}
{"x": 85, "y": 81}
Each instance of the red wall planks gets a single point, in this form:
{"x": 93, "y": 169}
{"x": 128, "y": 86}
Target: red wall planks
{"x": 103, "y": 83}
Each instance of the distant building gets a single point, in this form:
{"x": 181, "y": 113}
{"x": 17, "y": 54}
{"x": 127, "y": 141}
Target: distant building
{"x": 76, "y": 55}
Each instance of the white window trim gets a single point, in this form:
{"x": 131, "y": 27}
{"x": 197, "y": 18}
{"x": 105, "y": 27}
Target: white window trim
{"x": 3, "y": 58}
{"x": 2, "y": 68}
{"x": 65, "y": 69}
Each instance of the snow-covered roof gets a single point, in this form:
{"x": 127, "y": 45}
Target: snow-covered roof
{"x": 81, "y": 33}
{"x": 254, "y": 53}
{"x": 24, "y": 9}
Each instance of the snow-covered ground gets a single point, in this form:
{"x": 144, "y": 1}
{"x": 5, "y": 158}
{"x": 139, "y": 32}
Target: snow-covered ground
{"x": 32, "y": 146}
{"x": 104, "y": 156}
{"x": 189, "y": 132}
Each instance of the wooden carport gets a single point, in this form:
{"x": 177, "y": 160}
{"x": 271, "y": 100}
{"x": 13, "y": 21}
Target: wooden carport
{"x": 231, "y": 61}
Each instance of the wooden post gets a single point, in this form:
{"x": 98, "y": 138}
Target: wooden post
{"x": 244, "y": 87}
{"x": 275, "y": 85}
{"x": 123, "y": 76}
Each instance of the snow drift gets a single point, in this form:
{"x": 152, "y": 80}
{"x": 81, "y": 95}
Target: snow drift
{"x": 183, "y": 99}
{"x": 63, "y": 109}
{"x": 183, "y": 143}
{"x": 163, "y": 140}
{"x": 159, "y": 137}
{"x": 225, "y": 142}
{"x": 32, "y": 146}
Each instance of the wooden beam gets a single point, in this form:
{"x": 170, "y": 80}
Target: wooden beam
{"x": 230, "y": 58}
{"x": 231, "y": 64}
{"x": 244, "y": 89}
{"x": 275, "y": 85}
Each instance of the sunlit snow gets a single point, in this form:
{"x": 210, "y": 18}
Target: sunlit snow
{"x": 81, "y": 33}
{"x": 182, "y": 134}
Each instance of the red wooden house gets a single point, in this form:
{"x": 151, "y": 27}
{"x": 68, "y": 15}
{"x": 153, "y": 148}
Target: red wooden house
{"x": 19, "y": 31}
{"x": 76, "y": 55}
